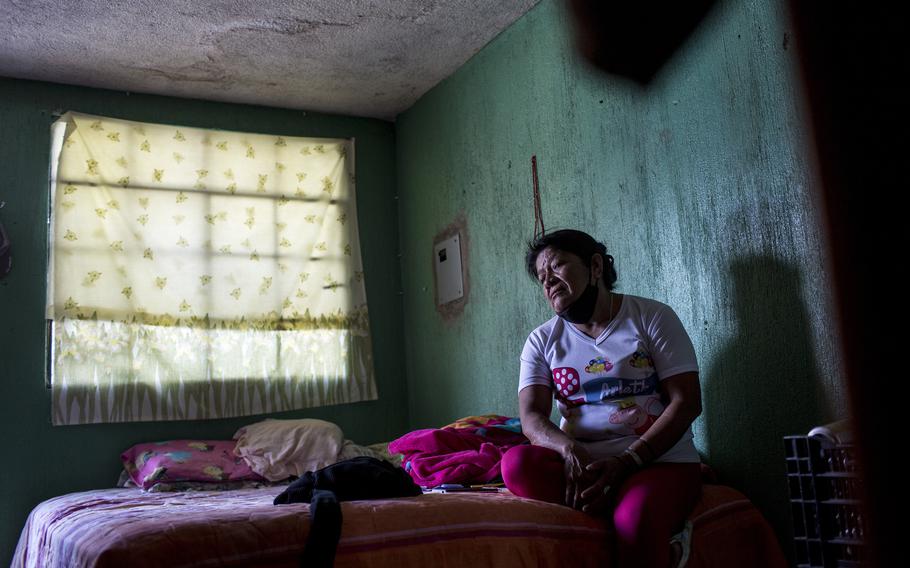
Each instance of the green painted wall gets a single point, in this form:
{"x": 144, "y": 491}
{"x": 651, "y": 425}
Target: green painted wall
{"x": 700, "y": 186}
{"x": 44, "y": 461}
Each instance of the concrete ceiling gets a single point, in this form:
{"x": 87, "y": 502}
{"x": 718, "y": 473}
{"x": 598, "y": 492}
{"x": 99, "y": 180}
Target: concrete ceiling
{"x": 370, "y": 58}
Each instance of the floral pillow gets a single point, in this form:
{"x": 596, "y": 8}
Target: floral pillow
{"x": 186, "y": 460}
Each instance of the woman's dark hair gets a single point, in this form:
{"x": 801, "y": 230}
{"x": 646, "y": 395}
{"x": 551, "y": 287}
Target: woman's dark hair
{"x": 578, "y": 243}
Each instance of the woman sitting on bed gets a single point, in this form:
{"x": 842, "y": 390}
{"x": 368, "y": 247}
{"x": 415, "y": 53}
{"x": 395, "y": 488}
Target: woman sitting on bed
{"x": 625, "y": 379}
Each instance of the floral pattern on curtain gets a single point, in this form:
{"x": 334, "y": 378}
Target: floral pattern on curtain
{"x": 202, "y": 274}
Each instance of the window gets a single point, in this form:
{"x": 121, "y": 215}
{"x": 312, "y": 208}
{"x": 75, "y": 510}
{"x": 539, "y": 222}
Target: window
{"x": 202, "y": 274}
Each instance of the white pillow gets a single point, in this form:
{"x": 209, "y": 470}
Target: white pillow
{"x": 277, "y": 449}
{"x": 379, "y": 451}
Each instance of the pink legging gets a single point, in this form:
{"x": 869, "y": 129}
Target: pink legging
{"x": 651, "y": 505}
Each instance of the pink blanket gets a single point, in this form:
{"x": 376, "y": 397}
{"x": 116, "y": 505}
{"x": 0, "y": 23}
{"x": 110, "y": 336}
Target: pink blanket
{"x": 468, "y": 451}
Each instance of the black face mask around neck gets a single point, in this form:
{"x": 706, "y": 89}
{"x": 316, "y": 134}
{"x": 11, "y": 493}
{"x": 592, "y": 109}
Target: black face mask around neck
{"x": 581, "y": 310}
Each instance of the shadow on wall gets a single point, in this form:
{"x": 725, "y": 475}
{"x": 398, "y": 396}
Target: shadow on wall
{"x": 762, "y": 386}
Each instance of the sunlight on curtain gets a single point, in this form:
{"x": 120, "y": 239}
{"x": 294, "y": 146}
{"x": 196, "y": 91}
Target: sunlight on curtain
{"x": 202, "y": 274}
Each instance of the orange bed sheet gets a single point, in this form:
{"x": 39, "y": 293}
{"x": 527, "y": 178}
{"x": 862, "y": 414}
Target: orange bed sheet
{"x": 129, "y": 528}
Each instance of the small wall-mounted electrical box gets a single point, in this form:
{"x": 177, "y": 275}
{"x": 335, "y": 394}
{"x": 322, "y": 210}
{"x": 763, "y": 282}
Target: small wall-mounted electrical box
{"x": 449, "y": 279}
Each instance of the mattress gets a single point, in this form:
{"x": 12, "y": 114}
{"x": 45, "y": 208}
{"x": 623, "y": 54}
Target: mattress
{"x": 130, "y": 528}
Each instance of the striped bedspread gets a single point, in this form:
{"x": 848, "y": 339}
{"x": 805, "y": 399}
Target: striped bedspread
{"x": 129, "y": 528}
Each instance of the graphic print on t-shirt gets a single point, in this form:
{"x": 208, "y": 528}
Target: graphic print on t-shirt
{"x": 567, "y": 383}
{"x": 598, "y": 365}
{"x": 635, "y": 416}
{"x": 573, "y": 391}
{"x": 641, "y": 360}
{"x": 611, "y": 388}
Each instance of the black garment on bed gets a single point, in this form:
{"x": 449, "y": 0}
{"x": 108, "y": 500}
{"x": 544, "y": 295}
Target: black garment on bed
{"x": 349, "y": 480}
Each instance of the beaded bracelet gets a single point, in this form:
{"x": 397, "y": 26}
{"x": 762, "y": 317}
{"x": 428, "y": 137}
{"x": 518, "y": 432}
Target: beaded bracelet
{"x": 635, "y": 457}
{"x": 648, "y": 445}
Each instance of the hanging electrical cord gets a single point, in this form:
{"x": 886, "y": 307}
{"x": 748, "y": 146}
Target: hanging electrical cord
{"x": 538, "y": 213}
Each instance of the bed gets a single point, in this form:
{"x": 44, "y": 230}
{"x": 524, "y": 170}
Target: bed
{"x": 130, "y": 527}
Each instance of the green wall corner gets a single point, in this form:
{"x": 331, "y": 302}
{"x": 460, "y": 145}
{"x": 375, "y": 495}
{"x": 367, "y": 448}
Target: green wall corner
{"x": 699, "y": 184}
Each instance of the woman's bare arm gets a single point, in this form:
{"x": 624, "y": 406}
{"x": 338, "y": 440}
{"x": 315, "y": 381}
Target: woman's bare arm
{"x": 534, "y": 405}
{"x": 683, "y": 393}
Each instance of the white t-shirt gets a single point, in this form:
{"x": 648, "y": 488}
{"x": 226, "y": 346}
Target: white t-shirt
{"x": 607, "y": 388}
